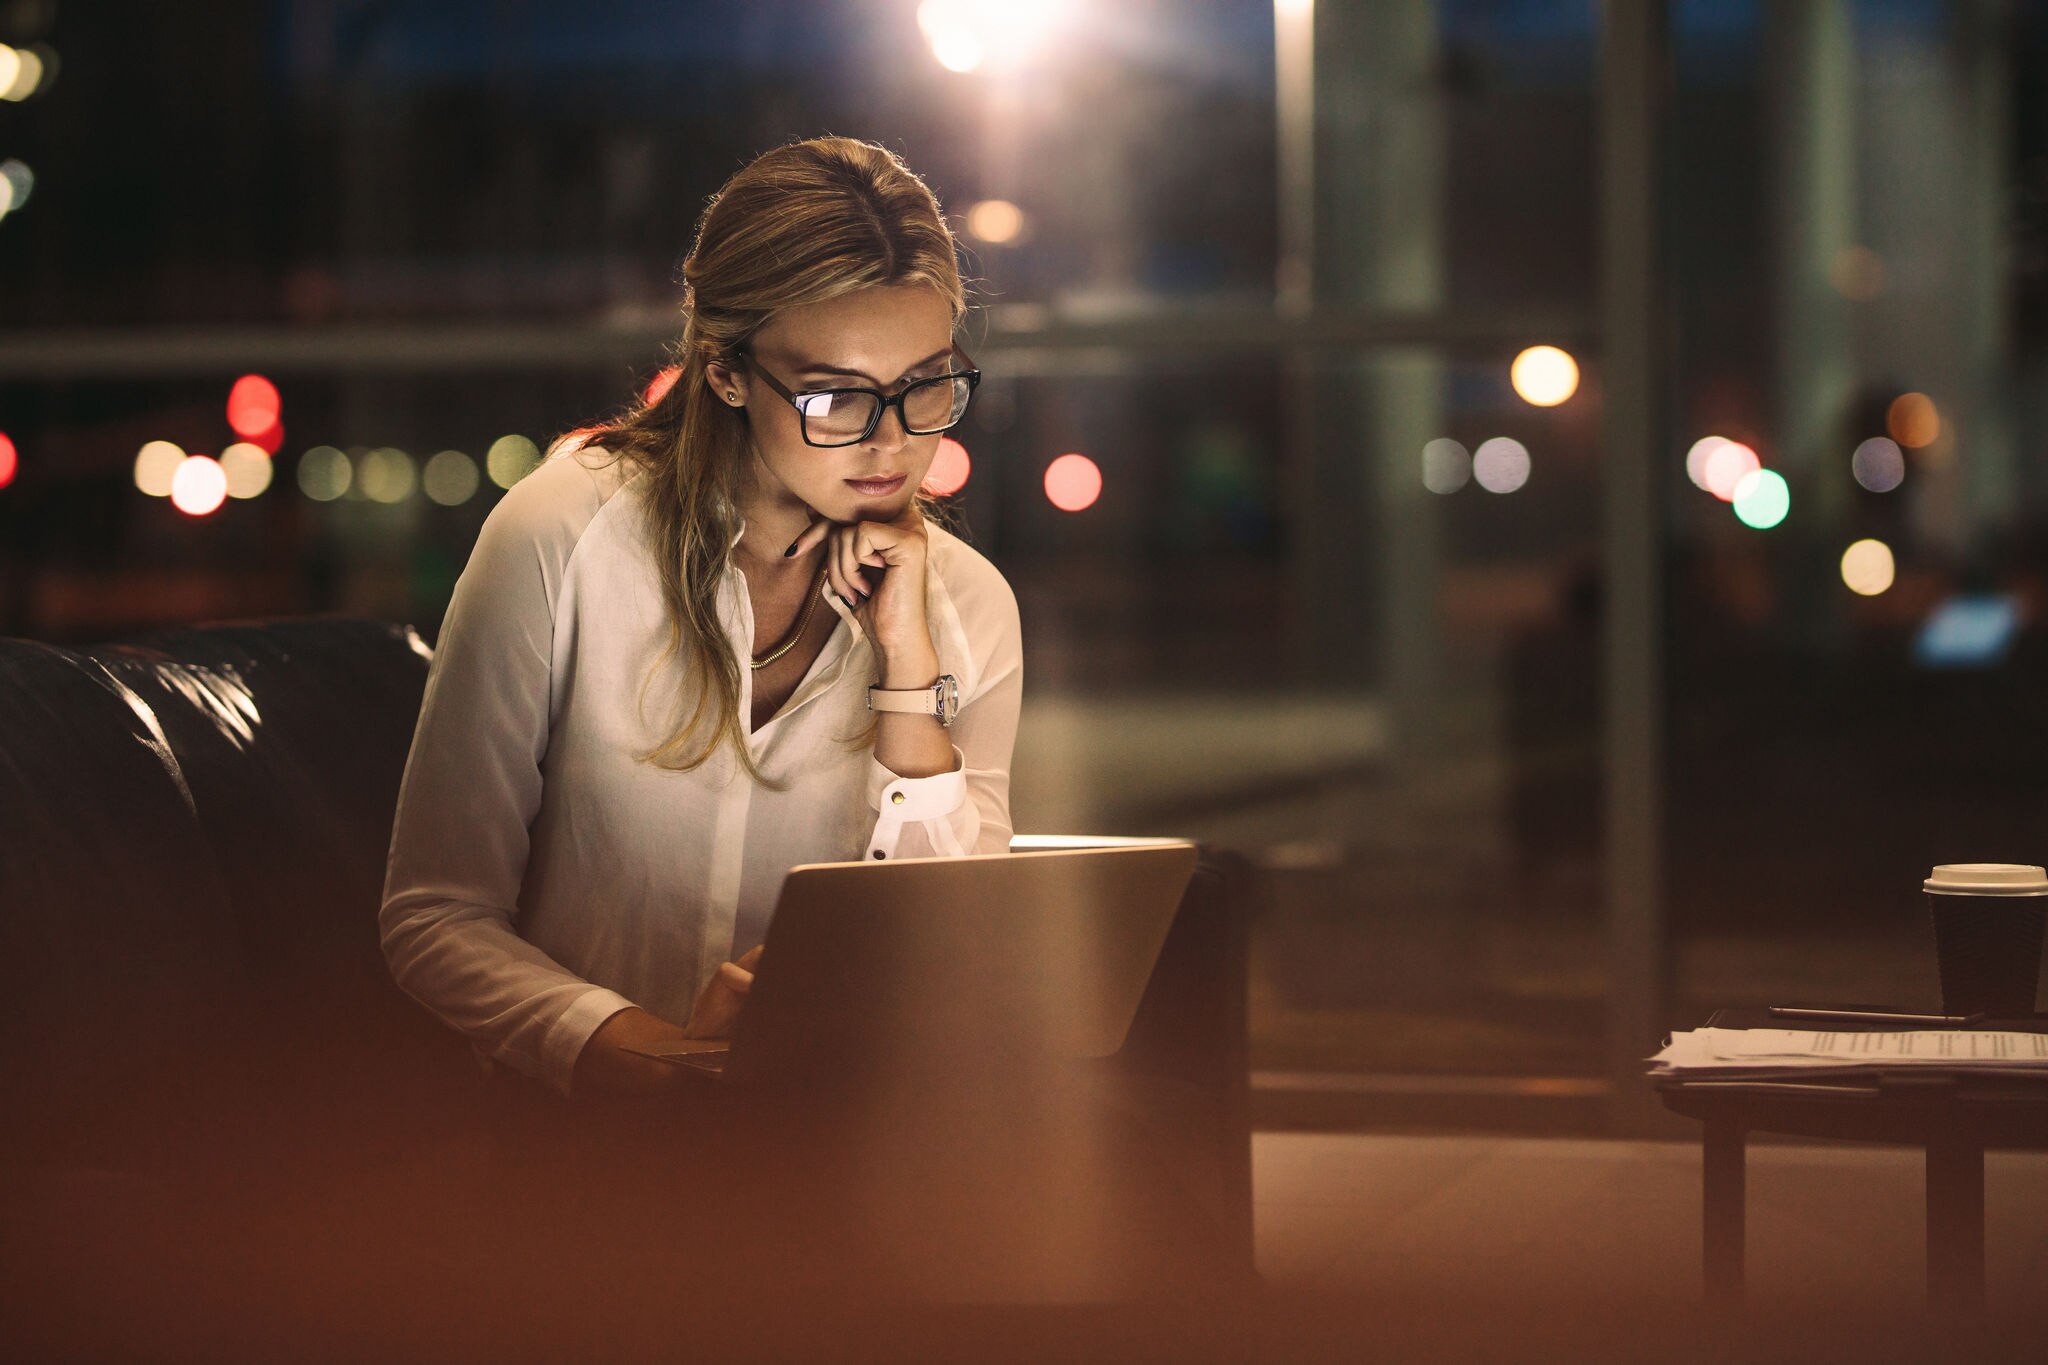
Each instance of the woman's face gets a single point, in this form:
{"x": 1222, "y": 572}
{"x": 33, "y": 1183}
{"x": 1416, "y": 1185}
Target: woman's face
{"x": 879, "y": 338}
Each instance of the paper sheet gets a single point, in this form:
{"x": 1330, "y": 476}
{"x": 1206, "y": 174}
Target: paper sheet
{"x": 1715, "y": 1049}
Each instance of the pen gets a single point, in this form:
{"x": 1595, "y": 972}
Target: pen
{"x": 1875, "y": 1016}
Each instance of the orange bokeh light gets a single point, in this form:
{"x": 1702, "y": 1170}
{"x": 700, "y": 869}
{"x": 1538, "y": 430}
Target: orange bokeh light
{"x": 199, "y": 487}
{"x": 1913, "y": 420}
{"x": 658, "y": 387}
{"x": 1726, "y": 468}
{"x": 949, "y": 471}
{"x": 9, "y": 461}
{"x": 1073, "y": 482}
{"x": 253, "y": 406}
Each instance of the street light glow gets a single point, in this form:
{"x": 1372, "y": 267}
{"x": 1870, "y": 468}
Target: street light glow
{"x": 965, "y": 34}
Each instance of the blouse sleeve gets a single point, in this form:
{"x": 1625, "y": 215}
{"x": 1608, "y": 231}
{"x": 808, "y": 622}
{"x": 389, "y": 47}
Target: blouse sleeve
{"x": 966, "y": 810}
{"x": 471, "y": 789}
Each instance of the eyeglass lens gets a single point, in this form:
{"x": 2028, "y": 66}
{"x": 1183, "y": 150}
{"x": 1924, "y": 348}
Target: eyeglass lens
{"x": 840, "y": 418}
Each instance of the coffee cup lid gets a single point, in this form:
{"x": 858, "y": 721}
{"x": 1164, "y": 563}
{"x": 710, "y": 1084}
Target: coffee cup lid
{"x": 1989, "y": 879}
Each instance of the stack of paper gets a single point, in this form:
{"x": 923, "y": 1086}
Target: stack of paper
{"x": 1780, "y": 1054}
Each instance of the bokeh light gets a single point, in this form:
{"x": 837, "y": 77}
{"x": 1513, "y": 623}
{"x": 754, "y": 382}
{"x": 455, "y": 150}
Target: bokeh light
{"x": 1879, "y": 465}
{"x": 1762, "y": 499}
{"x": 1857, "y": 273}
{"x": 156, "y": 465}
{"x": 450, "y": 478}
{"x": 964, "y": 34}
{"x": 199, "y": 487}
{"x": 949, "y": 471}
{"x": 1446, "y": 465}
{"x": 950, "y": 27}
{"x": 16, "y": 183}
{"x": 247, "y": 467}
{"x": 658, "y": 387}
{"x": 324, "y": 473}
{"x": 253, "y": 405}
{"x": 21, "y": 72}
{"x": 1913, "y": 420}
{"x": 1544, "y": 376}
{"x": 510, "y": 459}
{"x": 1730, "y": 463}
{"x": 270, "y": 440}
{"x": 386, "y": 474}
{"x": 996, "y": 221}
{"x": 10, "y": 460}
{"x": 1501, "y": 465}
{"x": 1868, "y": 568}
{"x": 1073, "y": 482}
{"x": 1696, "y": 458}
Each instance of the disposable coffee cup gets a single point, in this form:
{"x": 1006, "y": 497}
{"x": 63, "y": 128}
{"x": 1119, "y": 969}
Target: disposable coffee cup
{"x": 1987, "y": 936}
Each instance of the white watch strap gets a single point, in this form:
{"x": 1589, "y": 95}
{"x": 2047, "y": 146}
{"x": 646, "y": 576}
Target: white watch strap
{"x": 941, "y": 699}
{"x": 919, "y": 701}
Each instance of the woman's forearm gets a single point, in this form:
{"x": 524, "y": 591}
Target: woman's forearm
{"x": 911, "y": 745}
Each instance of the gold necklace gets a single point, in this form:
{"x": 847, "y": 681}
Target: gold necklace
{"x": 803, "y": 623}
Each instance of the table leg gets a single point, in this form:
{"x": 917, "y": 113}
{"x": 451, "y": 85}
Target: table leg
{"x": 1724, "y": 1200}
{"x": 1955, "y": 1223}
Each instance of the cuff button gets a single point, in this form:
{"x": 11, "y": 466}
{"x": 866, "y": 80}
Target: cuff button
{"x": 880, "y": 854}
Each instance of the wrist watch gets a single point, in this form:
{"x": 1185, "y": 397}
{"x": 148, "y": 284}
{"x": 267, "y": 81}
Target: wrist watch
{"x": 941, "y": 699}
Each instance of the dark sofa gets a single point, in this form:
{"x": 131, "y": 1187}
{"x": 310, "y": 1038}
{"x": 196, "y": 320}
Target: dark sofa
{"x": 225, "y": 1123}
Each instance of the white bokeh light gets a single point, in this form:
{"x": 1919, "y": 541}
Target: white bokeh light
{"x": 1446, "y": 465}
{"x": 450, "y": 479}
{"x": 1544, "y": 376}
{"x": 1501, "y": 465}
{"x": 1868, "y": 567}
{"x": 247, "y": 468}
{"x": 510, "y": 459}
{"x": 325, "y": 473}
{"x": 199, "y": 487}
{"x": 156, "y": 465}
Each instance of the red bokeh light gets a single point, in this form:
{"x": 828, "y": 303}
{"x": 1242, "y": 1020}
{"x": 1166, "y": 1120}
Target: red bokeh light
{"x": 253, "y": 406}
{"x": 1073, "y": 482}
{"x": 658, "y": 387}
{"x": 9, "y": 461}
{"x": 949, "y": 471}
{"x": 269, "y": 442}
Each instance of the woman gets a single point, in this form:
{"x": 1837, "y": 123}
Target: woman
{"x": 651, "y": 695}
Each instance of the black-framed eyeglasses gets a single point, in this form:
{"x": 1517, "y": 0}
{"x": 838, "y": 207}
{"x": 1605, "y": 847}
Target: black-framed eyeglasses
{"x": 844, "y": 417}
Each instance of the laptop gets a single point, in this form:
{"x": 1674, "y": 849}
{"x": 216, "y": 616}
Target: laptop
{"x": 1042, "y": 953}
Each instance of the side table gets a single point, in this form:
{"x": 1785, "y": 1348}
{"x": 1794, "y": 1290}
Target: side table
{"x": 1953, "y": 1119}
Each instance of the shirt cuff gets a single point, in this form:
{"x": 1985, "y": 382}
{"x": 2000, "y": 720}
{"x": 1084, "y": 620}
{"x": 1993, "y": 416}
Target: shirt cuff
{"x": 564, "y": 1040}
{"x": 899, "y": 800}
{"x": 917, "y": 798}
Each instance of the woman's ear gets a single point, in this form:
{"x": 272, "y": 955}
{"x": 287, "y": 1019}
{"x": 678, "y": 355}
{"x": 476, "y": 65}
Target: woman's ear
{"x": 727, "y": 385}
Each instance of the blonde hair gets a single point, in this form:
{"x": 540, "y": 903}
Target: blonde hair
{"x": 804, "y": 223}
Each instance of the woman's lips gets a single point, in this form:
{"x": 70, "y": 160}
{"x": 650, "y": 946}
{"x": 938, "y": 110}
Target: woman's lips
{"x": 876, "y": 488}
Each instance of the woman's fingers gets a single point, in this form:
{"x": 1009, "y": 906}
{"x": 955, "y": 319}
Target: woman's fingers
{"x": 735, "y": 977}
{"x": 848, "y": 562}
{"x": 814, "y": 533}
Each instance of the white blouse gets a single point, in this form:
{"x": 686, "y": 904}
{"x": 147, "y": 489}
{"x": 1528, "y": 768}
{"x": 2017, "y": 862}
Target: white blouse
{"x": 542, "y": 878}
